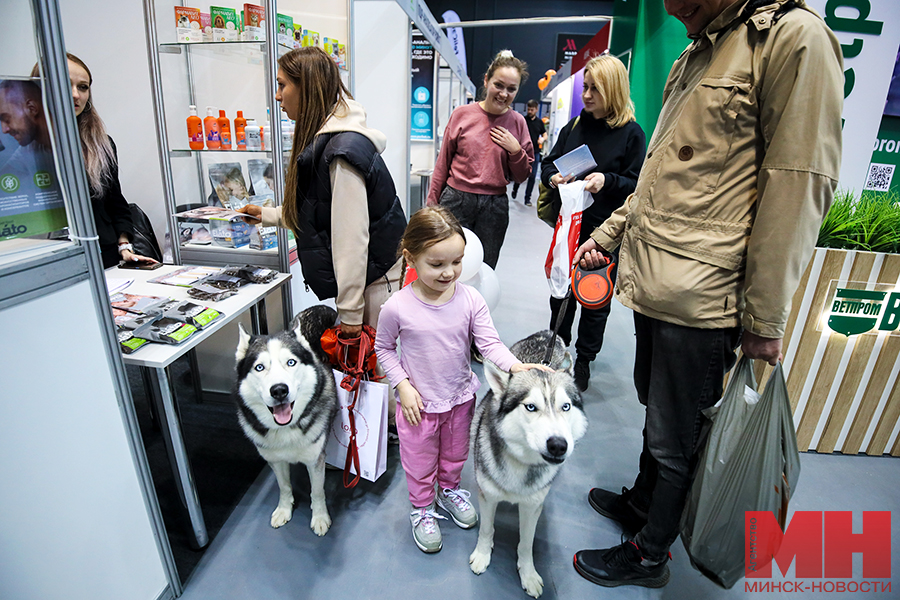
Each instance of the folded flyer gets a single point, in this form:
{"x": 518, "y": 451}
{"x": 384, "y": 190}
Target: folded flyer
{"x": 577, "y": 162}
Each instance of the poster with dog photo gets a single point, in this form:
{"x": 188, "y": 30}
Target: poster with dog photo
{"x": 31, "y": 202}
{"x": 229, "y": 186}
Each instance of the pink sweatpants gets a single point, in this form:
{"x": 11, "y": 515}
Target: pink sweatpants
{"x": 435, "y": 451}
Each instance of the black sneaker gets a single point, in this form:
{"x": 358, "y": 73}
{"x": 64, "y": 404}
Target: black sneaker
{"x": 621, "y": 565}
{"x": 582, "y": 374}
{"x": 618, "y": 507}
{"x": 527, "y": 202}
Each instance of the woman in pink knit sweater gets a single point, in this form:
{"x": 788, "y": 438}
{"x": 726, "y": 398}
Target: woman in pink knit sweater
{"x": 486, "y": 145}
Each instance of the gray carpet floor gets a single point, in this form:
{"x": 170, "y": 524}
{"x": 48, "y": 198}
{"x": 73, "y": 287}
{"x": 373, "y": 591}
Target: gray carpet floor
{"x": 369, "y": 552}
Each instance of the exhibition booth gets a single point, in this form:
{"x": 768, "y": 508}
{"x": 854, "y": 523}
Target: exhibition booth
{"x": 188, "y": 95}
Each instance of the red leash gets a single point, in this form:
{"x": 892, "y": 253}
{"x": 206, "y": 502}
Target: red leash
{"x": 355, "y": 357}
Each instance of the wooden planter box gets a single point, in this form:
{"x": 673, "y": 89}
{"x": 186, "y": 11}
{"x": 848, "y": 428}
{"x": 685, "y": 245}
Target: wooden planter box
{"x": 844, "y": 391}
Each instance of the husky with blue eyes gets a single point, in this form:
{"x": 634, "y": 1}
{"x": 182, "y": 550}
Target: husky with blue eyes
{"x": 286, "y": 404}
{"x": 522, "y": 432}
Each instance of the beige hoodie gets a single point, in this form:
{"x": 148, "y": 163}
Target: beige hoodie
{"x": 355, "y": 302}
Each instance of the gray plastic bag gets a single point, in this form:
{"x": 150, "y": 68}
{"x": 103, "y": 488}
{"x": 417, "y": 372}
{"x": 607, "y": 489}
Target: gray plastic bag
{"x": 750, "y": 462}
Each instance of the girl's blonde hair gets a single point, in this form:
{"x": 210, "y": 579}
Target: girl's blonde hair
{"x": 322, "y": 94}
{"x": 611, "y": 79}
{"x": 99, "y": 158}
{"x": 427, "y": 227}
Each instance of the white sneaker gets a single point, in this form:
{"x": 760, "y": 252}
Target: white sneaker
{"x": 426, "y": 532}
{"x": 456, "y": 502}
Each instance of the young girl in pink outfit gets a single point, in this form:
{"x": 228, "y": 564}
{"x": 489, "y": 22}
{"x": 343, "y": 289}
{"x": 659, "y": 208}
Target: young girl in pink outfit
{"x": 436, "y": 320}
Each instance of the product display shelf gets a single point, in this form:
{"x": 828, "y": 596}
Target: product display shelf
{"x": 217, "y": 256}
{"x": 230, "y": 76}
{"x": 250, "y": 49}
{"x": 191, "y": 74}
{"x": 187, "y": 152}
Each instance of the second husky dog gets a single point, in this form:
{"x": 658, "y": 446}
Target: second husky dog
{"x": 286, "y": 404}
{"x": 522, "y": 432}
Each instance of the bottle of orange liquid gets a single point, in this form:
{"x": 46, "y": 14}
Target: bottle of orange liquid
{"x": 195, "y": 130}
{"x": 240, "y": 136}
{"x": 224, "y": 131}
{"x": 211, "y": 126}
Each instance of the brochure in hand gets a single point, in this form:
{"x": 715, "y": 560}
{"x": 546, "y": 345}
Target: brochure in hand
{"x": 577, "y": 162}
{"x": 226, "y": 227}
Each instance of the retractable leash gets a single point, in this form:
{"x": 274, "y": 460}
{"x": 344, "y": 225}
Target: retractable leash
{"x": 559, "y": 319}
{"x": 592, "y": 288}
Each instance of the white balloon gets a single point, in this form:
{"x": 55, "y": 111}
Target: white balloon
{"x": 472, "y": 257}
{"x": 488, "y": 285}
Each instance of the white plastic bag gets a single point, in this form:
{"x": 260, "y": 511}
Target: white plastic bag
{"x": 558, "y": 266}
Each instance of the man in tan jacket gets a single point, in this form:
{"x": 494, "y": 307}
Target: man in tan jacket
{"x": 740, "y": 171}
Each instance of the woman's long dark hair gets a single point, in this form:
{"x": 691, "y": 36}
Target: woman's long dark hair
{"x": 322, "y": 94}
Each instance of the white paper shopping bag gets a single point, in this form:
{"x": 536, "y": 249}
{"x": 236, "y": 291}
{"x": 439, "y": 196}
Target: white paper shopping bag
{"x": 370, "y": 417}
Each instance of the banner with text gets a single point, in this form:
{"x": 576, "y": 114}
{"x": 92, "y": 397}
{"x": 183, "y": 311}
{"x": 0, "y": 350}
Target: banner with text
{"x": 31, "y": 202}
{"x": 869, "y": 44}
{"x": 422, "y": 113}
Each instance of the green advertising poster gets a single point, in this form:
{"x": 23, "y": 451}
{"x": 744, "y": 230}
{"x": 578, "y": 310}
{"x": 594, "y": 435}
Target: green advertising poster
{"x": 655, "y": 40}
{"x": 882, "y": 175}
{"x": 31, "y": 202}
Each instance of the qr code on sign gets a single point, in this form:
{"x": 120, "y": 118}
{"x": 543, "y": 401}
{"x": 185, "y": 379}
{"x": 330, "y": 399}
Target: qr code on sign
{"x": 879, "y": 179}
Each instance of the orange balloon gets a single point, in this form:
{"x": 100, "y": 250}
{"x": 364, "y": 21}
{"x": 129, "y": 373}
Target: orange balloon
{"x": 545, "y": 81}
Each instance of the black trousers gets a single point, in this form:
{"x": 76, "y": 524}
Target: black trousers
{"x": 486, "y": 216}
{"x": 591, "y": 324}
{"x": 530, "y": 186}
{"x": 678, "y": 372}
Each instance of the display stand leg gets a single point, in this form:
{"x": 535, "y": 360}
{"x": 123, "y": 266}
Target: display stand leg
{"x": 424, "y": 185}
{"x": 151, "y": 402}
{"x": 170, "y": 424}
{"x": 258, "y": 321}
{"x": 195, "y": 375}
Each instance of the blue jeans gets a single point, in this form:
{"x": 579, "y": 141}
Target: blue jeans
{"x": 678, "y": 372}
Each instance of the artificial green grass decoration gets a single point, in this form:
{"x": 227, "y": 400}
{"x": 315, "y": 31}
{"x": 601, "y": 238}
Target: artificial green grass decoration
{"x": 871, "y": 223}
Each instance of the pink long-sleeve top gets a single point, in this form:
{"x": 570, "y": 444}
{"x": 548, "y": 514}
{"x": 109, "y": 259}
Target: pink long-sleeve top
{"x": 434, "y": 345}
{"x": 470, "y": 161}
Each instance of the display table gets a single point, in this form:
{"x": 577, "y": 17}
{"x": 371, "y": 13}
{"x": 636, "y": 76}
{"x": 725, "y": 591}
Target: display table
{"x": 154, "y": 360}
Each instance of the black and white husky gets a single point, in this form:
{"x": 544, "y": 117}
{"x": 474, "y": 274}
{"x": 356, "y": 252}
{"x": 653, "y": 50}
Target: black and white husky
{"x": 286, "y": 404}
{"x": 522, "y": 432}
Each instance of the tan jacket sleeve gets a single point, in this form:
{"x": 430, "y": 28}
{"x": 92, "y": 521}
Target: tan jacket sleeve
{"x": 609, "y": 234}
{"x": 349, "y": 239}
{"x": 802, "y": 133}
{"x": 271, "y": 216}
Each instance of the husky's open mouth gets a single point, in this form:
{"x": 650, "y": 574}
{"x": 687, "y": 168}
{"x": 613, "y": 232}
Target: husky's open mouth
{"x": 282, "y": 412}
{"x": 554, "y": 460}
